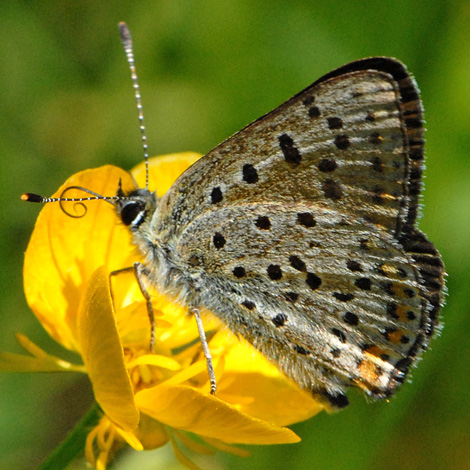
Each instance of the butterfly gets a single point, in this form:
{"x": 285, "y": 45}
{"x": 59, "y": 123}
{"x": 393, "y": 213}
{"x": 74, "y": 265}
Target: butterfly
{"x": 299, "y": 232}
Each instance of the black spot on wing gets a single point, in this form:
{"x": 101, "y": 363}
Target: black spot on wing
{"x": 216, "y": 195}
{"x": 288, "y": 148}
{"x": 250, "y": 174}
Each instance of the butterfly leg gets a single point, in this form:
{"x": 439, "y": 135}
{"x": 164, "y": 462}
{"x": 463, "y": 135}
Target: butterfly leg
{"x": 140, "y": 273}
{"x": 205, "y": 348}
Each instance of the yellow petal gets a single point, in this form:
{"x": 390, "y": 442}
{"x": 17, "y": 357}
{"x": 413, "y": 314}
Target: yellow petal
{"x": 10, "y": 362}
{"x": 188, "y": 409}
{"x": 273, "y": 399}
{"x": 40, "y": 362}
{"x": 130, "y": 438}
{"x": 155, "y": 360}
{"x": 103, "y": 355}
{"x": 187, "y": 373}
{"x": 64, "y": 251}
{"x": 164, "y": 170}
{"x": 259, "y": 388}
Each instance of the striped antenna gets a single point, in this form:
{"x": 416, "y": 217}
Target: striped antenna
{"x": 32, "y": 197}
{"x": 128, "y": 48}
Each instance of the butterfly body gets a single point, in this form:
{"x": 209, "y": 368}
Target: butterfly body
{"x": 299, "y": 233}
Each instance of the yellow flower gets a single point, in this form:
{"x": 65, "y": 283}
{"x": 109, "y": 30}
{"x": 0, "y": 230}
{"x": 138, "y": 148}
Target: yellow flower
{"x": 147, "y": 399}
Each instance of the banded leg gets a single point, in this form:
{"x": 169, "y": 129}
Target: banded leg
{"x": 141, "y": 273}
{"x": 205, "y": 348}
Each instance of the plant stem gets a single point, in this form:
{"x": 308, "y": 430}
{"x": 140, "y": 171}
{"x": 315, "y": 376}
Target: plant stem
{"x": 74, "y": 444}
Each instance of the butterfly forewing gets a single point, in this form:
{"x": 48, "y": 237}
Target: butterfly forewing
{"x": 339, "y": 144}
{"x": 299, "y": 232}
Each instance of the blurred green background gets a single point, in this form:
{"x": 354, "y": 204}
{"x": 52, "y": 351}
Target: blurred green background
{"x": 206, "y": 69}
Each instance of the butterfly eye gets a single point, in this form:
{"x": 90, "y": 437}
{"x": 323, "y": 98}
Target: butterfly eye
{"x": 133, "y": 212}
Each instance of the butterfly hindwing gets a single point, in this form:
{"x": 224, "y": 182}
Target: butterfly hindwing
{"x": 312, "y": 293}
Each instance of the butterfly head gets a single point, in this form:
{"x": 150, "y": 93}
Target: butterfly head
{"x": 136, "y": 207}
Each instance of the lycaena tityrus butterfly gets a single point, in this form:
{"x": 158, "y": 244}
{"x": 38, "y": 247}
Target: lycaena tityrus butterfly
{"x": 299, "y": 233}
